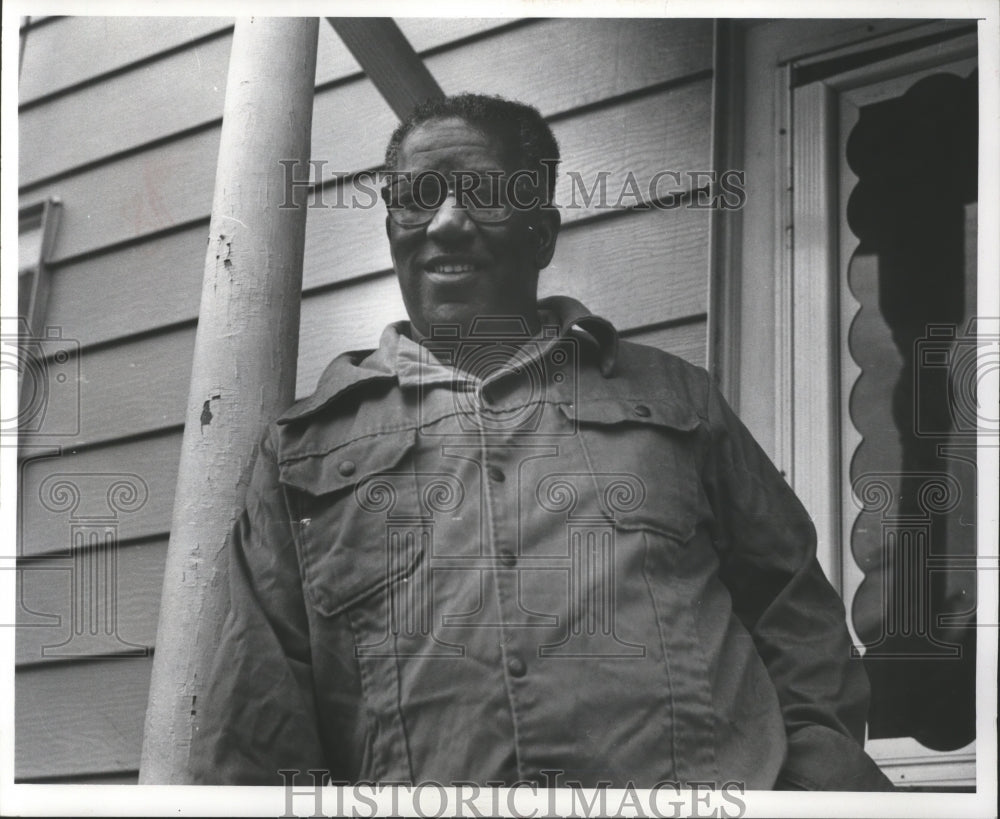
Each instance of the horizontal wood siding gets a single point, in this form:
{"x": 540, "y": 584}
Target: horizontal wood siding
{"x": 689, "y": 341}
{"x": 140, "y": 194}
{"x": 131, "y": 290}
{"x": 124, "y": 129}
{"x": 152, "y": 460}
{"x": 82, "y": 46}
{"x": 559, "y": 65}
{"x": 130, "y": 388}
{"x": 51, "y": 627}
{"x": 636, "y": 269}
{"x": 167, "y": 93}
{"x": 188, "y": 88}
{"x": 80, "y": 718}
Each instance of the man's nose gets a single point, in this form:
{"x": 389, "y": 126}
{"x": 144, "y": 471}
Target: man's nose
{"x": 450, "y": 222}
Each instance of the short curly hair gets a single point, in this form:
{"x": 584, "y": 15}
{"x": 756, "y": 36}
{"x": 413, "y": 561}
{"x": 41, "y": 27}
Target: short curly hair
{"x": 525, "y": 138}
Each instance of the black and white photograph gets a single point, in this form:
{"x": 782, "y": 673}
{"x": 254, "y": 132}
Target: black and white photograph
{"x": 582, "y": 410}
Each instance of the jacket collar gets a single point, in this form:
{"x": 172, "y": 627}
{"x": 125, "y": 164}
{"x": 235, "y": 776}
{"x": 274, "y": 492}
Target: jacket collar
{"x": 572, "y": 313}
{"x": 350, "y": 371}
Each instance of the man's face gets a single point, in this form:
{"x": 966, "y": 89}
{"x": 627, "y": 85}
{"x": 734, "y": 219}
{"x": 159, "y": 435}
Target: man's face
{"x": 453, "y": 269}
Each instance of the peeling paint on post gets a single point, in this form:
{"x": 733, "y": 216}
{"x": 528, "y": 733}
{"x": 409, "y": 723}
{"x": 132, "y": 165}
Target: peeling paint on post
{"x": 206, "y": 415}
{"x": 246, "y": 349}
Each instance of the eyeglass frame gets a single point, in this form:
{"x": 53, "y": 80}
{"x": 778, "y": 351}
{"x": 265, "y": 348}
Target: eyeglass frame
{"x": 427, "y": 211}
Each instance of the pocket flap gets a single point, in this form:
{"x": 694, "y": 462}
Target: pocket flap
{"x": 648, "y": 443}
{"x": 347, "y": 465}
{"x": 347, "y": 578}
{"x": 609, "y": 411}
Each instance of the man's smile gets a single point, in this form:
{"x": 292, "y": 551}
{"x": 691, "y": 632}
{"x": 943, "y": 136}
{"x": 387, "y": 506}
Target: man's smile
{"x": 452, "y": 267}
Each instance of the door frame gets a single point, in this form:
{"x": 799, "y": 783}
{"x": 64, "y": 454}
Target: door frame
{"x": 794, "y": 373}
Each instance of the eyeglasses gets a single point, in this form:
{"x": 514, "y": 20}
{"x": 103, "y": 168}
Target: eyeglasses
{"x": 413, "y": 202}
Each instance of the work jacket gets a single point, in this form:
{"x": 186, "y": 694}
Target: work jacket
{"x": 557, "y": 560}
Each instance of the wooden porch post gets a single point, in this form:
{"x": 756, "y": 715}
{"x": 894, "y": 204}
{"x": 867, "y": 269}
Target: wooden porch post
{"x": 243, "y": 371}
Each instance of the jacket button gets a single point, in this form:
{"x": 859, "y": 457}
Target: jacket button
{"x": 642, "y": 410}
{"x": 496, "y": 474}
{"x": 507, "y": 558}
{"x": 516, "y": 667}
{"x": 347, "y": 468}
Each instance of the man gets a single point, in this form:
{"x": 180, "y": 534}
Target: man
{"x": 507, "y": 543}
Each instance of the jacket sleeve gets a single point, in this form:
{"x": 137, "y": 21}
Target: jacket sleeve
{"x": 767, "y": 546}
{"x": 259, "y": 711}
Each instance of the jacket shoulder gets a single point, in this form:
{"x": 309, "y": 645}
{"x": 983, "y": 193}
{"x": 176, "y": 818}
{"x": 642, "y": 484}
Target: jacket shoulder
{"x": 663, "y": 375}
{"x": 343, "y": 376}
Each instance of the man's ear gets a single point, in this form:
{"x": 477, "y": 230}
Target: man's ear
{"x": 547, "y": 231}
{"x": 388, "y": 221}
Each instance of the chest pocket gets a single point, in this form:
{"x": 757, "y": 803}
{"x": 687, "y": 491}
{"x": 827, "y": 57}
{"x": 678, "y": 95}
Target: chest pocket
{"x": 644, "y": 456}
{"x": 348, "y": 503}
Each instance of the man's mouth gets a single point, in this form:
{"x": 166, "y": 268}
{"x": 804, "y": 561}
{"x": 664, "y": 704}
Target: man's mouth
{"x": 451, "y": 268}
